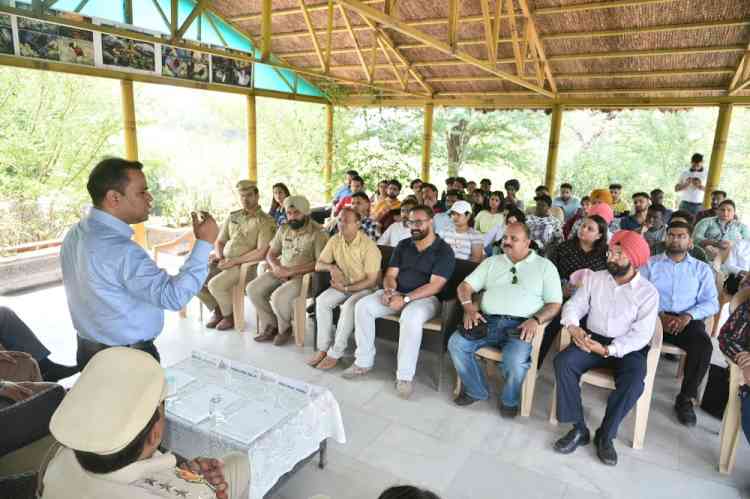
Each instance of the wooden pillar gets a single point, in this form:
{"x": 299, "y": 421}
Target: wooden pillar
{"x": 328, "y": 167}
{"x": 427, "y": 142}
{"x": 554, "y": 146}
{"x": 131, "y": 143}
{"x": 717, "y": 153}
{"x": 265, "y": 30}
{"x": 252, "y": 140}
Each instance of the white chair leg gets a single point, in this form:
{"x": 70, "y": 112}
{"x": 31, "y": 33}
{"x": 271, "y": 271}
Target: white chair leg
{"x": 730, "y": 426}
{"x": 553, "y": 405}
{"x": 238, "y": 308}
{"x": 642, "y": 408}
{"x": 527, "y": 392}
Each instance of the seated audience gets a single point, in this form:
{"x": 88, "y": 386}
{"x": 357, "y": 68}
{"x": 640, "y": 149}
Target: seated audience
{"x": 695, "y": 251}
{"x": 19, "y": 348}
{"x": 654, "y": 230}
{"x": 429, "y": 196}
{"x": 716, "y": 198}
{"x": 579, "y": 214}
{"x": 545, "y": 229}
{"x": 716, "y": 233}
{"x": 565, "y": 201}
{"x": 110, "y": 427}
{"x": 244, "y": 238}
{"x": 467, "y": 243}
{"x": 619, "y": 204}
{"x": 511, "y": 200}
{"x": 280, "y": 193}
{"x": 381, "y": 194}
{"x": 478, "y": 202}
{"x": 398, "y": 231}
{"x": 442, "y": 222}
{"x": 687, "y": 296}
{"x": 733, "y": 342}
{"x": 486, "y": 185}
{"x": 471, "y": 186}
{"x": 357, "y": 184}
{"x": 416, "y": 188}
{"x": 602, "y": 196}
{"x": 293, "y": 252}
{"x": 344, "y": 190}
{"x": 541, "y": 190}
{"x": 521, "y": 291}
{"x": 418, "y": 270}
{"x": 587, "y": 249}
{"x": 657, "y": 199}
{"x": 636, "y": 221}
{"x": 353, "y": 260}
{"x": 381, "y": 208}
{"x": 493, "y": 239}
{"x": 448, "y": 187}
{"x": 621, "y": 309}
{"x": 361, "y": 204}
{"x": 691, "y": 185}
{"x": 493, "y": 216}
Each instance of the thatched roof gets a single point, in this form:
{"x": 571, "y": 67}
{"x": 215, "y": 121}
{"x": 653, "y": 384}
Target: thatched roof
{"x": 634, "y": 48}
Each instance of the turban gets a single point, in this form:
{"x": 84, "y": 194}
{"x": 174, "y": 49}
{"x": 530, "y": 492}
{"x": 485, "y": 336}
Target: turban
{"x": 633, "y": 245}
{"x": 299, "y": 203}
{"x": 603, "y": 210}
{"x": 601, "y": 195}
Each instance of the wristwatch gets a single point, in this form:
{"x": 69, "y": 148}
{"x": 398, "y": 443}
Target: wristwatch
{"x": 407, "y": 298}
{"x": 609, "y": 350}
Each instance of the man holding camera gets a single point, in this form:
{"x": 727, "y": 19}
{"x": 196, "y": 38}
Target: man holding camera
{"x": 521, "y": 291}
{"x": 692, "y": 186}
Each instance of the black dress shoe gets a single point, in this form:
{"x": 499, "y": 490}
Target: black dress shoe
{"x": 55, "y": 372}
{"x": 605, "y": 450}
{"x": 508, "y": 412}
{"x": 572, "y": 440}
{"x": 683, "y": 408}
{"x": 464, "y": 399}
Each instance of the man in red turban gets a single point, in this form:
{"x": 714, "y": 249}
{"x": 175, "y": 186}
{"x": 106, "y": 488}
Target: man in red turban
{"x": 622, "y": 310}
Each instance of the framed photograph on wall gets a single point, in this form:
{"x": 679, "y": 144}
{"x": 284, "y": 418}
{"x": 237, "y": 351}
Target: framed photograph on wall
{"x": 231, "y": 71}
{"x": 184, "y": 63}
{"x": 6, "y": 35}
{"x": 128, "y": 53}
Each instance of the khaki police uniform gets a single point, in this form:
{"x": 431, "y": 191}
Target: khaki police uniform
{"x": 115, "y": 398}
{"x": 274, "y": 298}
{"x": 242, "y": 232}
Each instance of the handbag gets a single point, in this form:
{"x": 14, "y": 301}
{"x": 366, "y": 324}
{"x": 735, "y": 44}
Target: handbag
{"x": 716, "y": 394}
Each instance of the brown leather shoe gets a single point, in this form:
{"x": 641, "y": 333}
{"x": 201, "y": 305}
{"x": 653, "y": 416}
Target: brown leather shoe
{"x": 225, "y": 323}
{"x": 215, "y": 319}
{"x": 268, "y": 334}
{"x": 283, "y": 338}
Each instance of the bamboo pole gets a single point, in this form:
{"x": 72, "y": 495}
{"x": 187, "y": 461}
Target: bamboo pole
{"x": 328, "y": 167}
{"x": 252, "y": 140}
{"x": 266, "y": 30}
{"x": 554, "y": 146}
{"x": 717, "y": 153}
{"x": 427, "y": 142}
{"x": 131, "y": 143}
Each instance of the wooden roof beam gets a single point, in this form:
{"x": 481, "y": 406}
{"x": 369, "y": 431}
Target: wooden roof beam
{"x": 361, "y": 58}
{"x": 199, "y": 7}
{"x": 597, "y": 6}
{"x": 453, "y": 20}
{"x": 488, "y": 33}
{"x": 313, "y": 36}
{"x": 534, "y": 36}
{"x": 741, "y": 78}
{"x": 380, "y": 17}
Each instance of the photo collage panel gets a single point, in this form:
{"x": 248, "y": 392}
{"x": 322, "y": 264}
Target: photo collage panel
{"x": 53, "y": 42}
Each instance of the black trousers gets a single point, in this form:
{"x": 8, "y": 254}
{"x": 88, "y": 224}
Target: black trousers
{"x": 630, "y": 371}
{"x": 696, "y": 342}
{"x": 15, "y": 335}
{"x": 87, "y": 349}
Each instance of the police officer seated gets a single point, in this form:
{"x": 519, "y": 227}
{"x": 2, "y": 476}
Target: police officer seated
{"x": 110, "y": 426}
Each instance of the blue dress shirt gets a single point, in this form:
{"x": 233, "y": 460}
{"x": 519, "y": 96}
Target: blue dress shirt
{"x": 687, "y": 287}
{"x": 116, "y": 293}
{"x": 342, "y": 192}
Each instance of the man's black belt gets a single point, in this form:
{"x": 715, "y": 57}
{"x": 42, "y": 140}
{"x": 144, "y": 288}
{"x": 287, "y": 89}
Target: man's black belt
{"x": 138, "y": 345}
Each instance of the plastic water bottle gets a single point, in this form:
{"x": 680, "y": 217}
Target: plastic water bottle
{"x": 225, "y": 368}
{"x": 215, "y": 411}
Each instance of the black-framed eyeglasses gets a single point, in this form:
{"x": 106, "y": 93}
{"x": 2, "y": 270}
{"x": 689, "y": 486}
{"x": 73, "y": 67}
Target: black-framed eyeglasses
{"x": 515, "y": 277}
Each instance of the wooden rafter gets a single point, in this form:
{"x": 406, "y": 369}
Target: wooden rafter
{"x": 329, "y": 36}
{"x": 390, "y": 61}
{"x": 174, "y": 19}
{"x": 361, "y": 58}
{"x": 313, "y": 36}
{"x": 517, "y": 54}
{"x": 161, "y": 14}
{"x": 80, "y": 5}
{"x": 496, "y": 26}
{"x": 488, "y": 32}
{"x": 598, "y": 6}
{"x": 741, "y": 78}
{"x": 380, "y": 17}
{"x": 537, "y": 42}
{"x": 453, "y": 17}
{"x": 190, "y": 18}
{"x": 265, "y": 30}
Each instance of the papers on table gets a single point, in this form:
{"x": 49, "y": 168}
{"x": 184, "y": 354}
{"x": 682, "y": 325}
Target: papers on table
{"x": 195, "y": 406}
{"x": 252, "y": 421}
{"x": 177, "y": 380}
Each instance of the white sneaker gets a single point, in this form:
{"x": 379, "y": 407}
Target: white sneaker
{"x": 354, "y": 372}
{"x": 404, "y": 389}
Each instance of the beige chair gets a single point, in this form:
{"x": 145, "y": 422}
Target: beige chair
{"x": 730, "y": 425}
{"x": 493, "y": 355}
{"x": 299, "y": 313}
{"x": 178, "y": 247}
{"x": 603, "y": 378}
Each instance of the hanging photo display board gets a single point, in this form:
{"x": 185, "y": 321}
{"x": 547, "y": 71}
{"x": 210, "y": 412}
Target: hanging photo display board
{"x": 32, "y": 38}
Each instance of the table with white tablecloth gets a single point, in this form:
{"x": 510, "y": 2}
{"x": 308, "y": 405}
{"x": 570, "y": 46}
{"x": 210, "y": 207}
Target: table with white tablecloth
{"x": 277, "y": 421}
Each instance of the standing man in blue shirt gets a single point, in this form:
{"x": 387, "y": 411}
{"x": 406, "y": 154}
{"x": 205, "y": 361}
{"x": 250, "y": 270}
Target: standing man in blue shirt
{"x": 565, "y": 201}
{"x": 116, "y": 293}
{"x": 687, "y": 295}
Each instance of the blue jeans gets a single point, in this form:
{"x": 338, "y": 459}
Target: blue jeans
{"x": 692, "y": 208}
{"x": 516, "y": 361}
{"x": 745, "y": 414}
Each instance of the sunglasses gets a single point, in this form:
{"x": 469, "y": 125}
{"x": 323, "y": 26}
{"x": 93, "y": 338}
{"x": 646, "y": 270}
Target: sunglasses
{"x": 515, "y": 277}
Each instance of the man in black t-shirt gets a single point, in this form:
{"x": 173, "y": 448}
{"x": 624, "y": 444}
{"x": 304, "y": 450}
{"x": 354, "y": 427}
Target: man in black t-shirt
{"x": 419, "y": 268}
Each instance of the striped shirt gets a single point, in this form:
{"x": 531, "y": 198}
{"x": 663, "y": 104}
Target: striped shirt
{"x": 462, "y": 242}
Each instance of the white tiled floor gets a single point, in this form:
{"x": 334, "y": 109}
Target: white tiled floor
{"x": 460, "y": 453}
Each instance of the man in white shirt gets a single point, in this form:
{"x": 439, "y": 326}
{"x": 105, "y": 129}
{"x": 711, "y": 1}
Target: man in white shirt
{"x": 622, "y": 309}
{"x": 397, "y": 232}
{"x": 692, "y": 186}
{"x": 467, "y": 243}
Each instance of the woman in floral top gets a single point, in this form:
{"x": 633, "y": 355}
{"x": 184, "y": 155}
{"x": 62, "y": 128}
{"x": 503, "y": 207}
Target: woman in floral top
{"x": 733, "y": 342}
